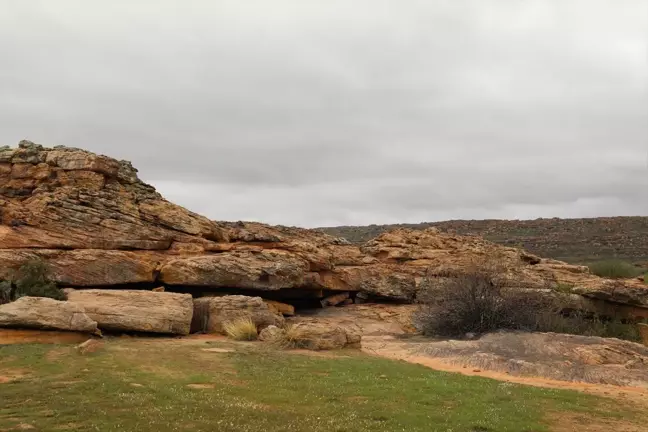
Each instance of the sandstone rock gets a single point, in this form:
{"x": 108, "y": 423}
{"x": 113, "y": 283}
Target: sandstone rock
{"x": 272, "y": 334}
{"x": 86, "y": 267}
{"x": 265, "y": 270}
{"x": 71, "y": 198}
{"x": 548, "y": 355}
{"x": 210, "y": 313}
{"x": 45, "y": 313}
{"x": 140, "y": 311}
{"x": 280, "y": 308}
{"x": 313, "y": 335}
{"x": 97, "y": 225}
{"x": 643, "y": 330}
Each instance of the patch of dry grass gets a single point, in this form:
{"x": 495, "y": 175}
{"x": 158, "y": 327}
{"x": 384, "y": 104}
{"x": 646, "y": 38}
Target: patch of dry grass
{"x": 241, "y": 329}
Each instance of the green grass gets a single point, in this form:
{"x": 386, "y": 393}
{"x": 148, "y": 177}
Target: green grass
{"x": 615, "y": 269}
{"x": 134, "y": 385}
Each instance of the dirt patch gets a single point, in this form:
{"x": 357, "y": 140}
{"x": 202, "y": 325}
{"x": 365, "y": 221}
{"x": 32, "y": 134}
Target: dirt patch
{"x": 56, "y": 354}
{"x": 219, "y": 350}
{"x": 13, "y": 336}
{"x": 201, "y": 386}
{"x": 321, "y": 354}
{"x": 9, "y": 375}
{"x": 569, "y": 422}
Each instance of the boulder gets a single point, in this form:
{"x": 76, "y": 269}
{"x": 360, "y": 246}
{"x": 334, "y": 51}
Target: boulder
{"x": 135, "y": 310}
{"x": 46, "y": 314}
{"x": 272, "y": 334}
{"x": 314, "y": 335}
{"x": 210, "y": 313}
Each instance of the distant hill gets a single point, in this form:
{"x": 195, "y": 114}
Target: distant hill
{"x": 571, "y": 240}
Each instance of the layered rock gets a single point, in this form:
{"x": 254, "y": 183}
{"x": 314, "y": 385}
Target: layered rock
{"x": 211, "y": 313}
{"x": 97, "y": 225}
{"x": 316, "y": 335}
{"x": 135, "y": 310}
{"x": 46, "y": 314}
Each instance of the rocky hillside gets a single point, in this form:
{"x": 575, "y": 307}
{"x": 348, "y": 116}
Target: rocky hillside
{"x": 97, "y": 225}
{"x": 570, "y": 240}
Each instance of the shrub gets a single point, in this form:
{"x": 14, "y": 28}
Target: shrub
{"x": 479, "y": 302}
{"x": 5, "y": 292}
{"x": 242, "y": 329}
{"x": 33, "y": 280}
{"x": 614, "y": 269}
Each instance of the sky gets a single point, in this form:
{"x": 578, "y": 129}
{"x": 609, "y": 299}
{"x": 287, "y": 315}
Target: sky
{"x": 344, "y": 112}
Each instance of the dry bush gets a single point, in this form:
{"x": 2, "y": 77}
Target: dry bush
{"x": 479, "y": 301}
{"x": 241, "y": 329}
{"x": 289, "y": 337}
{"x": 6, "y": 290}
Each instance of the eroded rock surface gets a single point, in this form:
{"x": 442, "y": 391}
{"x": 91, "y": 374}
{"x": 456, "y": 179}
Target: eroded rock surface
{"x": 46, "y": 314}
{"x": 210, "y": 313}
{"x": 97, "y": 225}
{"x": 135, "y": 310}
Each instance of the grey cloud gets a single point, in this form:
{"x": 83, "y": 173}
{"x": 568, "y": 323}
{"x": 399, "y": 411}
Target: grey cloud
{"x": 321, "y": 113}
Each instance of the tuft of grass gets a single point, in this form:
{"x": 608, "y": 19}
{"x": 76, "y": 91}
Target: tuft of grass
{"x": 289, "y": 337}
{"x": 241, "y": 329}
{"x": 614, "y": 269}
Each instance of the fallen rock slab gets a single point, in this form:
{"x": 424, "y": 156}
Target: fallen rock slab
{"x": 134, "y": 310}
{"x": 46, "y": 314}
{"x": 210, "y": 313}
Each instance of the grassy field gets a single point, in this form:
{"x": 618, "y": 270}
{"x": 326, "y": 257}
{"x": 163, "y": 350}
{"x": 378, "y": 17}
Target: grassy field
{"x": 178, "y": 385}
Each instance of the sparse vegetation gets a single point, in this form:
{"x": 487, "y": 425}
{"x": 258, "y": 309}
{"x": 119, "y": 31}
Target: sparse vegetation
{"x": 615, "y": 269}
{"x": 564, "y": 288}
{"x": 145, "y": 387}
{"x": 289, "y": 337}
{"x": 241, "y": 329}
{"x": 33, "y": 280}
{"x": 479, "y": 302}
{"x": 577, "y": 241}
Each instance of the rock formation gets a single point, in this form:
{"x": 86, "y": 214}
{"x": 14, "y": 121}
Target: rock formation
{"x": 46, "y": 314}
{"x": 210, "y": 313}
{"x": 97, "y": 225}
{"x": 135, "y": 311}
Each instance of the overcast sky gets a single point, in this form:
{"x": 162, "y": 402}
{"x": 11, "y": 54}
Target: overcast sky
{"x": 319, "y": 113}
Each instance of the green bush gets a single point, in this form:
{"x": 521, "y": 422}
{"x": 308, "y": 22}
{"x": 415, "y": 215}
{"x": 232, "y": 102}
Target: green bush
{"x": 615, "y": 269}
{"x": 33, "y": 280}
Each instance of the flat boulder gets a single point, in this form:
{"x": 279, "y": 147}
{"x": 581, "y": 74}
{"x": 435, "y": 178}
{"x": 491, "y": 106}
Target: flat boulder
{"x": 136, "y": 310}
{"x": 46, "y": 314}
{"x": 210, "y": 313}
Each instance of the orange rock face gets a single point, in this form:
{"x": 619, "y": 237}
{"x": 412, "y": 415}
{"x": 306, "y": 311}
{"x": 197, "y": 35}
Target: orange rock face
{"x": 98, "y": 225}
